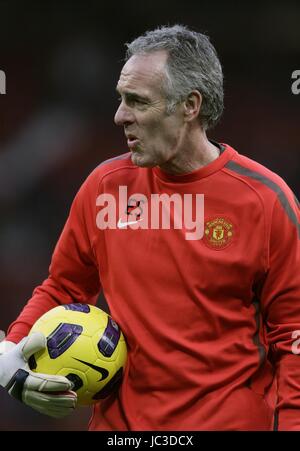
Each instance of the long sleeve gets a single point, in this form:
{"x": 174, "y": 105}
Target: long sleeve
{"x": 73, "y": 273}
{"x": 281, "y": 302}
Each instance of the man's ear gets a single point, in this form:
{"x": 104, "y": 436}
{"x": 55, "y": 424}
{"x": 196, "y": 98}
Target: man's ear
{"x": 192, "y": 105}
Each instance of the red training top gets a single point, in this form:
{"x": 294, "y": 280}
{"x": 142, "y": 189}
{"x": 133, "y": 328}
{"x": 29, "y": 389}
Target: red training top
{"x": 203, "y": 318}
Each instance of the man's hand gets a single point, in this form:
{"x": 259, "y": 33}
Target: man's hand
{"x": 50, "y": 395}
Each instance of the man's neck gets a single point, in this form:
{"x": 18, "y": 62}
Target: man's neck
{"x": 195, "y": 153}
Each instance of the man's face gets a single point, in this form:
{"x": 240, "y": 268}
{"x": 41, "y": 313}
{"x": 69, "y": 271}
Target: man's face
{"x": 152, "y": 135}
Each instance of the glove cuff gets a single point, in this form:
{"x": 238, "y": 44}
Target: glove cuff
{"x": 16, "y": 384}
{"x": 6, "y": 346}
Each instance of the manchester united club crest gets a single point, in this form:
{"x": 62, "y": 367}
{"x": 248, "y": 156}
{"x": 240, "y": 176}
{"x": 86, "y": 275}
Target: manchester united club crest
{"x": 218, "y": 233}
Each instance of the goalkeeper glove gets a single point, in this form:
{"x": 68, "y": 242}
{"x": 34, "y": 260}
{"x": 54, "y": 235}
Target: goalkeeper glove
{"x": 50, "y": 395}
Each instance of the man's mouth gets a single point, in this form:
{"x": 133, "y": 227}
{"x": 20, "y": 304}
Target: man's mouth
{"x": 132, "y": 141}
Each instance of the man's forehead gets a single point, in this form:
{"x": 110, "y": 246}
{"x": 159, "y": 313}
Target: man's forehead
{"x": 143, "y": 71}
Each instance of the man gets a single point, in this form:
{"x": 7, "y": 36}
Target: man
{"x": 209, "y": 317}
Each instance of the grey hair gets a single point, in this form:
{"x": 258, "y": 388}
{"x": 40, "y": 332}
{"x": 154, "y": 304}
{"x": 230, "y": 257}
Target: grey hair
{"x": 192, "y": 64}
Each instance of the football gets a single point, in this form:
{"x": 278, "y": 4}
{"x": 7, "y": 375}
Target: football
{"x": 85, "y": 345}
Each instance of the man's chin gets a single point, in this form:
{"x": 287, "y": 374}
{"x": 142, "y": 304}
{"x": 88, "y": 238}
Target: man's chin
{"x": 138, "y": 159}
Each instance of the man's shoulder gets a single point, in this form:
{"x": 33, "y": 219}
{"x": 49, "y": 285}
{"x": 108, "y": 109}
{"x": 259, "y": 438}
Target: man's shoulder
{"x": 257, "y": 176}
{"x": 111, "y": 166}
{"x": 119, "y": 161}
{"x": 270, "y": 188}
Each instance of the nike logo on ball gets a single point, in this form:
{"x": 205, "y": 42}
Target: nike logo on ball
{"x": 104, "y": 373}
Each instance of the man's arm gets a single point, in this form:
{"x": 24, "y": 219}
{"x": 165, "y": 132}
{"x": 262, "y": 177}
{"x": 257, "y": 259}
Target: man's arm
{"x": 281, "y": 303}
{"x": 73, "y": 273}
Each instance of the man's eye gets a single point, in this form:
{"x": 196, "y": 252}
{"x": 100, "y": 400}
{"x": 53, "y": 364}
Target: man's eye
{"x": 132, "y": 101}
{"x": 138, "y": 102}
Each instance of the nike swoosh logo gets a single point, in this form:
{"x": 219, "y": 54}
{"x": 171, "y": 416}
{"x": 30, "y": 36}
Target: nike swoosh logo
{"x": 104, "y": 373}
{"x": 124, "y": 224}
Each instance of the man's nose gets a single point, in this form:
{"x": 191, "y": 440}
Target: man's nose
{"x": 123, "y": 115}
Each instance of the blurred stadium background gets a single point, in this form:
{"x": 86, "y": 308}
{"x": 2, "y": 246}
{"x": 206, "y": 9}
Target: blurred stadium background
{"x": 62, "y": 61}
